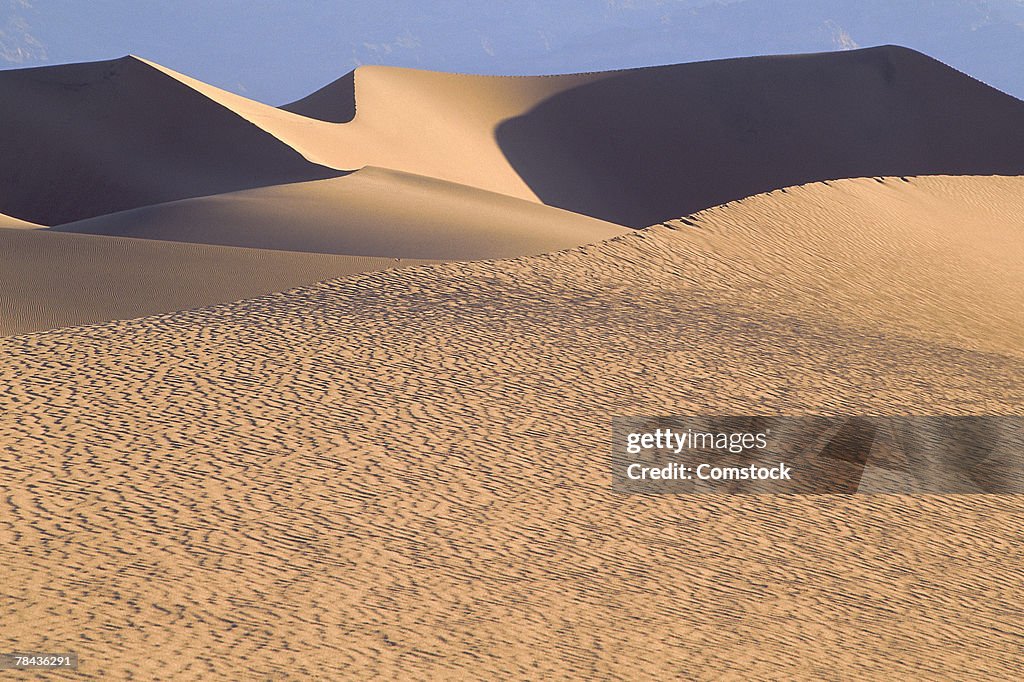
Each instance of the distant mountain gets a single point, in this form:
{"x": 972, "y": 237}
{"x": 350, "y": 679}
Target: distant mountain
{"x": 278, "y": 51}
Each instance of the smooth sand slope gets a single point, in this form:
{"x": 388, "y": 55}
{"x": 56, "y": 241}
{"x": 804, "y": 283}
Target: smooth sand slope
{"x": 402, "y": 473}
{"x": 436, "y": 124}
{"x": 81, "y": 140}
{"x": 372, "y": 212}
{"x": 9, "y": 222}
{"x": 50, "y": 280}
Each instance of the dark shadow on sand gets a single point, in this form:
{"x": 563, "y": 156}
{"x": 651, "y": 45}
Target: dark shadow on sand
{"x": 639, "y": 147}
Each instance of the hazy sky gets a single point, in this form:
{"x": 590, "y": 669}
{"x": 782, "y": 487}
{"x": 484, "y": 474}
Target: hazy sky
{"x": 278, "y": 51}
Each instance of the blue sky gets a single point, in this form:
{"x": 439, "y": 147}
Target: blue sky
{"x": 278, "y": 51}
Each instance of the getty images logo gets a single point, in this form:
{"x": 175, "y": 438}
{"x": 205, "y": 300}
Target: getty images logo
{"x": 710, "y": 453}
{"x": 677, "y": 441}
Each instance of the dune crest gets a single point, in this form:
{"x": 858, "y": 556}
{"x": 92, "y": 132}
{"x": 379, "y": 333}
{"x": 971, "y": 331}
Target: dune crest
{"x": 646, "y": 145}
{"x": 937, "y": 256}
{"x": 371, "y": 212}
{"x": 7, "y": 221}
{"x": 430, "y": 123}
{"x": 622, "y": 145}
{"x": 333, "y": 103}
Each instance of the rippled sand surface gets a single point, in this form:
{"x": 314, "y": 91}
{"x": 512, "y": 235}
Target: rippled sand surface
{"x": 403, "y": 473}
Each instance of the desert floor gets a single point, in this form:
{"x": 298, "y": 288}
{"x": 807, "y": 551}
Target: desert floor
{"x": 402, "y": 473}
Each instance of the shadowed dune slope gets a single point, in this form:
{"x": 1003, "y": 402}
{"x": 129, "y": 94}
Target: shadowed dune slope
{"x": 50, "y": 280}
{"x": 81, "y": 140}
{"x": 333, "y": 103}
{"x": 641, "y": 146}
{"x": 403, "y": 474}
{"x": 372, "y": 212}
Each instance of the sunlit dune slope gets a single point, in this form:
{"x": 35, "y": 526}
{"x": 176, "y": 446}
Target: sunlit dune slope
{"x": 942, "y": 257}
{"x": 372, "y": 212}
{"x": 9, "y": 222}
{"x": 428, "y": 123}
{"x": 50, "y": 280}
{"x": 436, "y": 124}
{"x": 80, "y": 140}
{"x": 403, "y": 474}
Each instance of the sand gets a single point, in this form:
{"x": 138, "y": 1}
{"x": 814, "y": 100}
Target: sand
{"x": 8, "y": 222}
{"x": 372, "y": 212}
{"x": 402, "y": 473}
{"x": 937, "y": 257}
{"x": 640, "y": 146}
{"x": 50, "y": 280}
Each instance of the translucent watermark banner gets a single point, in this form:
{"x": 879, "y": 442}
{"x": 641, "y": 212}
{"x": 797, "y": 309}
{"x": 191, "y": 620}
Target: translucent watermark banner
{"x": 818, "y": 455}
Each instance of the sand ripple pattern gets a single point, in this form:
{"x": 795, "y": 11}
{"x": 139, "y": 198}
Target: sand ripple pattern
{"x": 402, "y": 474}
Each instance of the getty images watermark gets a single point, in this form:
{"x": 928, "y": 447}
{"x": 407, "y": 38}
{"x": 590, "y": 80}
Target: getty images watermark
{"x": 818, "y": 455}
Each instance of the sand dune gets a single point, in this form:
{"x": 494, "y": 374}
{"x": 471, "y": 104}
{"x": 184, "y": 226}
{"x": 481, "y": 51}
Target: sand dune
{"x": 642, "y": 146}
{"x": 427, "y": 123}
{"x": 241, "y": 473}
{"x": 372, "y": 212}
{"x": 333, "y": 103}
{"x": 436, "y": 124}
{"x": 50, "y": 280}
{"x": 81, "y": 140}
{"x": 631, "y": 147}
{"x": 402, "y": 473}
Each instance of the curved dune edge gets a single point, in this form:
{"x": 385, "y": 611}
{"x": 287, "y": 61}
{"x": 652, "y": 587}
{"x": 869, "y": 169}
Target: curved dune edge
{"x": 50, "y": 280}
{"x": 403, "y": 473}
{"x": 371, "y": 212}
{"x": 8, "y": 222}
{"x": 640, "y": 147}
{"x": 423, "y": 122}
{"x": 637, "y": 146}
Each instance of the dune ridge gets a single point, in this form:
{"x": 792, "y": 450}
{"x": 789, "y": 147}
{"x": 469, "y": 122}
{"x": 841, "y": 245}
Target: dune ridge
{"x": 402, "y": 473}
{"x": 371, "y": 212}
{"x": 281, "y": 462}
{"x": 621, "y": 148}
{"x": 936, "y": 256}
{"x": 618, "y": 145}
